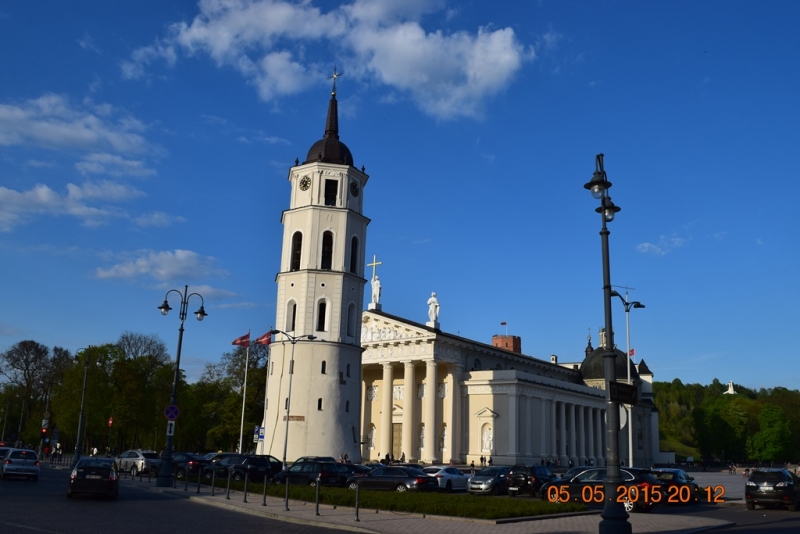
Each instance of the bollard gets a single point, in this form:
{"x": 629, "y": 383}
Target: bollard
{"x": 174, "y": 480}
{"x": 199, "y": 474}
{"x": 317, "y": 510}
{"x": 186, "y": 476}
{"x": 149, "y": 474}
{"x": 286, "y": 499}
{"x": 140, "y": 475}
{"x": 228, "y": 496}
{"x": 358, "y": 490}
{"x": 213, "y": 481}
{"x": 245, "y": 486}
{"x": 264, "y": 500}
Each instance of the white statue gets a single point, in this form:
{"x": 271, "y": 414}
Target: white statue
{"x": 730, "y": 391}
{"x": 487, "y": 439}
{"x": 376, "y": 290}
{"x": 433, "y": 308}
{"x": 372, "y": 438}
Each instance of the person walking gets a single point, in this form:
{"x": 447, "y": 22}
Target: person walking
{"x": 472, "y": 468}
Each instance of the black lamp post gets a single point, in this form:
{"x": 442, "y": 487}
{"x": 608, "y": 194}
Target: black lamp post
{"x": 165, "y": 470}
{"x": 293, "y": 340}
{"x": 615, "y": 518}
{"x": 79, "y": 440}
{"x": 628, "y": 306}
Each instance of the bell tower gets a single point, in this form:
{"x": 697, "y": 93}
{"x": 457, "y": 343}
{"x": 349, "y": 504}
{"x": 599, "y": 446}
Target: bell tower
{"x": 320, "y": 294}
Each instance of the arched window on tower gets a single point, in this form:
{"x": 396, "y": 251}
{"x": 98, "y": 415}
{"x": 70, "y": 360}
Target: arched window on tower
{"x": 327, "y": 251}
{"x": 321, "y": 319}
{"x": 319, "y": 404}
{"x": 297, "y": 246}
{"x": 291, "y": 315}
{"x": 354, "y": 255}
{"x": 351, "y": 320}
{"x": 324, "y": 367}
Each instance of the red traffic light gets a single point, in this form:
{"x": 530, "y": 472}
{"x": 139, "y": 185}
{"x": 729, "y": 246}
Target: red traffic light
{"x": 44, "y": 430}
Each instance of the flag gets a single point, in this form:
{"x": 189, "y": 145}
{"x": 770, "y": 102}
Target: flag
{"x": 266, "y": 339}
{"x": 633, "y": 352}
{"x": 503, "y": 323}
{"x": 243, "y": 341}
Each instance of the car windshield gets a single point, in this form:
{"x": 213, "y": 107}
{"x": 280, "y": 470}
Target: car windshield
{"x": 489, "y": 472}
{"x": 767, "y": 476}
{"x": 431, "y": 469}
{"x": 662, "y": 475}
{"x": 258, "y": 462}
{"x": 96, "y": 462}
{"x": 150, "y": 455}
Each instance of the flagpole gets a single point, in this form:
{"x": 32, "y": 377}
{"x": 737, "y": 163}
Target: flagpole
{"x": 244, "y": 395}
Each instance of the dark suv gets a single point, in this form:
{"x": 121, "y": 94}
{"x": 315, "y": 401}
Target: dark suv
{"x": 768, "y": 487}
{"x": 309, "y": 472}
{"x": 528, "y": 479}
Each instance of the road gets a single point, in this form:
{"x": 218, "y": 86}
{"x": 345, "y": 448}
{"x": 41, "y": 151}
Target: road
{"x": 42, "y": 508}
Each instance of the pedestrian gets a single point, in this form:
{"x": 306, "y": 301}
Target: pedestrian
{"x": 490, "y": 461}
{"x": 472, "y": 467}
{"x": 402, "y": 457}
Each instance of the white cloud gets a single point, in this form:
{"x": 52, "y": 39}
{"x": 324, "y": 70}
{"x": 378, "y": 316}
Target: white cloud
{"x": 17, "y": 207}
{"x": 87, "y": 43}
{"x": 51, "y": 122}
{"x": 665, "y": 246}
{"x": 157, "y": 219}
{"x": 164, "y": 266}
{"x": 448, "y": 75}
{"x": 113, "y": 165}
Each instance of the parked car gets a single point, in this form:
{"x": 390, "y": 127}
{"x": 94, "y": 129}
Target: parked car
{"x": 307, "y": 473}
{"x": 351, "y": 470}
{"x": 771, "y": 486}
{"x": 528, "y": 479}
{"x": 394, "y": 478}
{"x": 489, "y": 480}
{"x": 21, "y": 463}
{"x": 314, "y": 459}
{"x": 219, "y": 465}
{"x": 94, "y": 475}
{"x": 448, "y": 477}
{"x": 186, "y": 462}
{"x": 138, "y": 461}
{"x": 572, "y": 471}
{"x": 257, "y": 467}
{"x": 647, "y": 494}
{"x": 677, "y": 486}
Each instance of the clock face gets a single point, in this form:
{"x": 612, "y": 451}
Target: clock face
{"x": 305, "y": 183}
{"x": 354, "y": 189}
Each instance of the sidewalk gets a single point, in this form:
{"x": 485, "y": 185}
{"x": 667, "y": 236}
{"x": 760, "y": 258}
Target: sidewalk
{"x": 402, "y": 523}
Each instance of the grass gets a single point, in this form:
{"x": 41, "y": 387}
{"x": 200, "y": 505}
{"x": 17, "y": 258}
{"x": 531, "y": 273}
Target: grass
{"x": 681, "y": 450}
{"x": 444, "y": 504}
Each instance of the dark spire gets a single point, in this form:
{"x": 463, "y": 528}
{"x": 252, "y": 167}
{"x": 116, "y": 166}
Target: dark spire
{"x": 329, "y": 149}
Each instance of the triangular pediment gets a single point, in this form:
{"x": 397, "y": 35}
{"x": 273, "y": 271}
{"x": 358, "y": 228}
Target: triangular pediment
{"x": 486, "y": 413}
{"x": 378, "y": 329}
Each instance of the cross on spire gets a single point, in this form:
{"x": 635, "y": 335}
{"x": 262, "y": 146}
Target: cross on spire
{"x": 333, "y": 77}
{"x": 374, "y": 264}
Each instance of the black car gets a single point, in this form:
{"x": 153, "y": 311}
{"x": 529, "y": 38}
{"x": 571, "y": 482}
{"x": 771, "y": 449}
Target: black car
{"x": 528, "y": 479}
{"x": 307, "y": 473}
{"x": 351, "y": 470}
{"x": 677, "y": 486}
{"x": 639, "y": 490}
{"x": 186, "y": 462}
{"x": 768, "y": 487}
{"x": 94, "y": 475}
{"x": 394, "y": 478}
{"x": 257, "y": 467}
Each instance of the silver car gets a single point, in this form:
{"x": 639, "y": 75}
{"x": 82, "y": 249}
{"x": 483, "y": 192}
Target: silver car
{"x": 489, "y": 481}
{"x": 137, "y": 461}
{"x": 21, "y": 463}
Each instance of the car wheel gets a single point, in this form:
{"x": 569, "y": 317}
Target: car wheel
{"x": 401, "y": 488}
{"x": 630, "y": 506}
{"x": 237, "y": 476}
{"x": 496, "y": 489}
{"x": 134, "y": 470}
{"x": 353, "y": 486}
{"x": 750, "y": 506}
{"x": 180, "y": 474}
{"x": 449, "y": 486}
{"x": 312, "y": 483}
{"x": 207, "y": 475}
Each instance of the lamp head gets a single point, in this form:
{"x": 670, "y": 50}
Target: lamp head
{"x": 637, "y": 304}
{"x": 164, "y": 307}
{"x": 274, "y": 332}
{"x": 599, "y": 184}
{"x": 608, "y": 209}
{"x": 311, "y": 338}
{"x": 201, "y": 313}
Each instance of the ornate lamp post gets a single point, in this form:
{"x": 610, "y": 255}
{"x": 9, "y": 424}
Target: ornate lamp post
{"x": 293, "y": 340}
{"x": 165, "y": 471}
{"x": 615, "y": 519}
{"x": 628, "y": 306}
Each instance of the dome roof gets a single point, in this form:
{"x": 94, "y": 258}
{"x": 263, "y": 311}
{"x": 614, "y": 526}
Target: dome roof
{"x": 329, "y": 149}
{"x": 592, "y": 367}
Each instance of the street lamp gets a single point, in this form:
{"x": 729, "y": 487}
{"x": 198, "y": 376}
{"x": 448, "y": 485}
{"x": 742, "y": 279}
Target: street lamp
{"x": 628, "y": 305}
{"x": 5, "y": 420}
{"x": 164, "y": 479}
{"x": 293, "y": 340}
{"x": 615, "y": 518}
{"x": 79, "y": 440}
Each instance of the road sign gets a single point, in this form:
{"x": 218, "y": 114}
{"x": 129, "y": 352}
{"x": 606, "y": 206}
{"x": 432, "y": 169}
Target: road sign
{"x": 170, "y": 428}
{"x": 172, "y": 412}
{"x": 46, "y": 415}
{"x": 624, "y": 393}
{"x": 261, "y": 433}
{"x": 44, "y": 423}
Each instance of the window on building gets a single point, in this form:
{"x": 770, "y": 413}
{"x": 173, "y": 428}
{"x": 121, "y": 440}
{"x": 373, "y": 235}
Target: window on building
{"x": 331, "y": 188}
{"x": 297, "y": 247}
{"x": 291, "y": 315}
{"x": 319, "y": 404}
{"x": 476, "y": 365}
{"x": 271, "y": 367}
{"x": 348, "y": 370}
{"x": 324, "y": 366}
{"x": 351, "y": 320}
{"x": 327, "y": 251}
{"x": 354, "y": 255}
{"x": 321, "y": 310}
{"x": 347, "y": 406}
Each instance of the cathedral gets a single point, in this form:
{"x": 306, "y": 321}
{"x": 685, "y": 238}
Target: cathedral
{"x": 368, "y": 383}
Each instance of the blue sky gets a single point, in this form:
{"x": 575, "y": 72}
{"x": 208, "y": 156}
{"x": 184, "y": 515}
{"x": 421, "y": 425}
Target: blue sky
{"x": 146, "y": 145}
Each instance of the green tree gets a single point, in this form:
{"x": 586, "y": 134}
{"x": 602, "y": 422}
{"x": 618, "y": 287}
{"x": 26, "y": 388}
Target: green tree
{"x": 772, "y": 441}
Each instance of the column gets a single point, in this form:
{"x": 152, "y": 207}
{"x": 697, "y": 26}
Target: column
{"x": 562, "y": 434}
{"x": 409, "y": 398}
{"x": 581, "y": 452}
{"x": 590, "y": 433}
{"x": 573, "y": 448}
{"x": 513, "y": 425}
{"x": 452, "y": 415}
{"x": 429, "y": 454}
{"x": 598, "y": 436}
{"x": 543, "y": 434}
{"x": 553, "y": 431}
{"x": 528, "y": 430}
{"x": 386, "y": 411}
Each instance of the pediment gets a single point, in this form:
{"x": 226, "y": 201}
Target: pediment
{"x": 380, "y": 330}
{"x": 486, "y": 413}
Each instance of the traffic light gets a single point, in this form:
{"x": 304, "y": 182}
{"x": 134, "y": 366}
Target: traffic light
{"x": 44, "y": 431}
